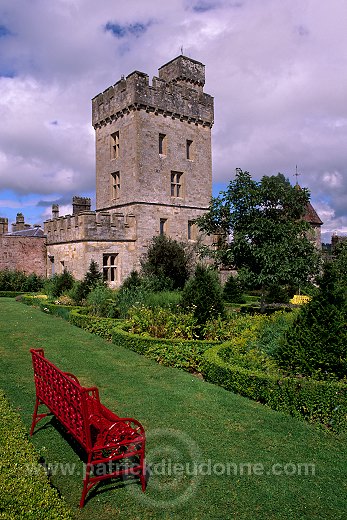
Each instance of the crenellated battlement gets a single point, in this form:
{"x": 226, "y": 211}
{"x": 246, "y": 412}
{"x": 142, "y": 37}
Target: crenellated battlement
{"x": 177, "y": 93}
{"x": 91, "y": 226}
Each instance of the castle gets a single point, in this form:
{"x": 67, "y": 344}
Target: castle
{"x": 153, "y": 176}
{"x": 153, "y": 172}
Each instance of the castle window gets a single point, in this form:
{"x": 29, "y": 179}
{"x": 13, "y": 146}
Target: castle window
{"x": 162, "y": 144}
{"x": 162, "y": 226}
{"x": 115, "y": 145}
{"x": 115, "y": 180}
{"x": 109, "y": 267}
{"x": 189, "y": 149}
{"x": 191, "y": 230}
{"x": 51, "y": 259}
{"x": 176, "y": 184}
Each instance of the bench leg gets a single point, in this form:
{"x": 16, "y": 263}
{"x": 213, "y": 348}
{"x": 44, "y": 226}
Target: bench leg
{"x": 86, "y": 481}
{"x": 34, "y": 421}
{"x": 143, "y": 474}
{"x": 37, "y": 416}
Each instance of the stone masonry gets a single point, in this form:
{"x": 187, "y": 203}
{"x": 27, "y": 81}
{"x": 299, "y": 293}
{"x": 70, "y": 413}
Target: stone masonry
{"x": 153, "y": 172}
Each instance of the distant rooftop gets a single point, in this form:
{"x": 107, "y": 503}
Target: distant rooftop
{"x": 30, "y": 232}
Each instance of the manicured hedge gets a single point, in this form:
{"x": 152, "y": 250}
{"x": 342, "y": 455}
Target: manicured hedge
{"x": 41, "y": 301}
{"x": 10, "y": 294}
{"x": 316, "y": 401}
{"x": 100, "y": 326}
{"x": 185, "y": 354}
{"x": 25, "y": 492}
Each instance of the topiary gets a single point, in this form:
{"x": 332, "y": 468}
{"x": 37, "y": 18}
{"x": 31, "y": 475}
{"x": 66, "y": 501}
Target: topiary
{"x": 316, "y": 344}
{"x": 232, "y": 290}
{"x": 202, "y": 295}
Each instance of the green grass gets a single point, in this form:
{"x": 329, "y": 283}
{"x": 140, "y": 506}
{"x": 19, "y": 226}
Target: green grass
{"x": 186, "y": 420}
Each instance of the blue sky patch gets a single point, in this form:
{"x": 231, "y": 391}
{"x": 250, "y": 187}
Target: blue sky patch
{"x": 121, "y": 31}
{"x": 4, "y": 31}
{"x": 6, "y": 73}
{"x": 204, "y": 5}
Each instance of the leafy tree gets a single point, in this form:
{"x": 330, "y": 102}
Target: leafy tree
{"x": 340, "y": 264}
{"x": 261, "y": 231}
{"x": 167, "y": 262}
{"x": 202, "y": 295}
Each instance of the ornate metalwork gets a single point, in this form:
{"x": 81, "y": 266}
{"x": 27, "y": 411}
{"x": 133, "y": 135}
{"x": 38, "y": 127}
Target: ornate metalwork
{"x": 111, "y": 442}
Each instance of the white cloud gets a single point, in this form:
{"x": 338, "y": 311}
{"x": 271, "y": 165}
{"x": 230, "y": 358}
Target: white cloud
{"x": 276, "y": 70}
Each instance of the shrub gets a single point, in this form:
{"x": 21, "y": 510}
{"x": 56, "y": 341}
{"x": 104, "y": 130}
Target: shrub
{"x": 127, "y": 298}
{"x": 315, "y": 401}
{"x": 186, "y": 355}
{"x": 101, "y": 303}
{"x": 92, "y": 279}
{"x": 316, "y": 344}
{"x": 93, "y": 276}
{"x": 133, "y": 281}
{"x": 19, "y": 281}
{"x": 279, "y": 294}
{"x": 162, "y": 323}
{"x": 203, "y": 295}
{"x": 100, "y": 326}
{"x": 166, "y": 263}
{"x": 25, "y": 491}
{"x": 59, "y": 284}
{"x": 232, "y": 290}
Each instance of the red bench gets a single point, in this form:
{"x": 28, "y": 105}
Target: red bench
{"x": 112, "y": 444}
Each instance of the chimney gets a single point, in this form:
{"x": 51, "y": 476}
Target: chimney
{"x": 80, "y": 204}
{"x": 55, "y": 211}
{"x": 3, "y": 225}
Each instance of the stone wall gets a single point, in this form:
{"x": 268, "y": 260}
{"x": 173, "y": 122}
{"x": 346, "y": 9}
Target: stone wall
{"x": 76, "y": 258}
{"x": 145, "y": 134}
{"x": 90, "y": 226}
{"x": 27, "y": 254}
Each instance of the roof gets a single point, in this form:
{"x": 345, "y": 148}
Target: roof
{"x": 311, "y": 215}
{"x": 30, "y": 232}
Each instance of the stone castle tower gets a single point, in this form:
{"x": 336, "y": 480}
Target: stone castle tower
{"x": 153, "y": 172}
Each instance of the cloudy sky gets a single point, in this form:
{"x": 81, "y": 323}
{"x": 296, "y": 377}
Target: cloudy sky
{"x": 276, "y": 68}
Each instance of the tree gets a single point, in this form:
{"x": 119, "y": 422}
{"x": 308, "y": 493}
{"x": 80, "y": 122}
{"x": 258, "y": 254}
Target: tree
{"x": 261, "y": 232}
{"x": 59, "y": 284}
{"x": 91, "y": 280}
{"x": 232, "y": 290}
{"x": 203, "y": 295}
{"x": 316, "y": 343}
{"x": 167, "y": 261}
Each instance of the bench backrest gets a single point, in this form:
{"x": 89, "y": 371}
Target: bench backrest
{"x": 64, "y": 396}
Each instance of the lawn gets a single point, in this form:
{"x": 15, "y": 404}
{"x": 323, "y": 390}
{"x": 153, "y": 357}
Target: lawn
{"x": 213, "y": 455}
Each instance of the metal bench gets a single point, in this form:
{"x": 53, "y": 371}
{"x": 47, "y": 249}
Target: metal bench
{"x": 115, "y": 446}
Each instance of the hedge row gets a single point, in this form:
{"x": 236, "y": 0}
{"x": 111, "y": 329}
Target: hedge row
{"x": 10, "y": 294}
{"x": 40, "y": 301}
{"x": 175, "y": 353}
{"x": 316, "y": 401}
{"x": 25, "y": 492}
{"x": 185, "y": 354}
{"x": 100, "y": 326}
